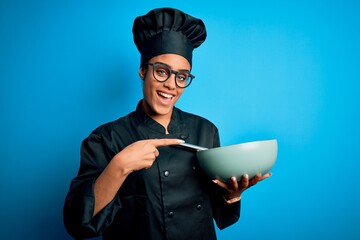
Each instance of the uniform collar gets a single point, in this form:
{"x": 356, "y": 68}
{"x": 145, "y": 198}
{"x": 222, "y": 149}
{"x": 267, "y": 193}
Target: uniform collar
{"x": 177, "y": 127}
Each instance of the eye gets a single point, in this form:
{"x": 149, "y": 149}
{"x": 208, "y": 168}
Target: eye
{"x": 182, "y": 76}
{"x": 162, "y": 72}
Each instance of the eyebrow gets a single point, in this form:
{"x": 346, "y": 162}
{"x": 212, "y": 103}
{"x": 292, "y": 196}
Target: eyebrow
{"x": 171, "y": 67}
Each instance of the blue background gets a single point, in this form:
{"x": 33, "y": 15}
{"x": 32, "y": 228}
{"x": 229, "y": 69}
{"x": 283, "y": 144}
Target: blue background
{"x": 269, "y": 69}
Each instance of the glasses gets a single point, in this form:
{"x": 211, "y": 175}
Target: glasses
{"x": 162, "y": 72}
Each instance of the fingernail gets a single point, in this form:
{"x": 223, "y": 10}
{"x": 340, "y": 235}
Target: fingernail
{"x": 181, "y": 141}
{"x": 215, "y": 181}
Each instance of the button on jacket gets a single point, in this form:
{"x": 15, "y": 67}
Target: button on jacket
{"x": 171, "y": 200}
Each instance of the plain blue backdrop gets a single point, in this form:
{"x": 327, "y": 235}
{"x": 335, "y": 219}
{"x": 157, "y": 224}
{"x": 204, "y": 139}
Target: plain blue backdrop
{"x": 269, "y": 69}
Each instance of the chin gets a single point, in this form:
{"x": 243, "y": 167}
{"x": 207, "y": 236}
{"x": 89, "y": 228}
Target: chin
{"x": 163, "y": 110}
{"x": 156, "y": 109}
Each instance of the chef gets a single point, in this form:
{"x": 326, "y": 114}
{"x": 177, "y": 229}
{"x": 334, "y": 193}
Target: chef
{"x": 133, "y": 182}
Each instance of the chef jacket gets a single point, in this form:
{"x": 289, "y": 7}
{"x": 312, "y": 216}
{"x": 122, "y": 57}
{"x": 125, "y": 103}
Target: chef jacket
{"x": 171, "y": 200}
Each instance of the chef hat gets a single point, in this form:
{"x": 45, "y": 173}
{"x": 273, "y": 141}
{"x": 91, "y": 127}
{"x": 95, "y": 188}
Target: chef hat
{"x": 167, "y": 30}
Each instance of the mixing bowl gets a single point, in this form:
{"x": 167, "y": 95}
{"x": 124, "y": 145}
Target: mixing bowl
{"x": 236, "y": 160}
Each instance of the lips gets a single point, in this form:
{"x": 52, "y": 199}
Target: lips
{"x": 165, "y": 97}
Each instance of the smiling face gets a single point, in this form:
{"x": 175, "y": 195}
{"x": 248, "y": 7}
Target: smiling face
{"x": 160, "y": 97}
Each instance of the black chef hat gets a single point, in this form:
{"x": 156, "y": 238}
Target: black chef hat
{"x": 167, "y": 30}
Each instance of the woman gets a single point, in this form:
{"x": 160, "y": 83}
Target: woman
{"x": 133, "y": 182}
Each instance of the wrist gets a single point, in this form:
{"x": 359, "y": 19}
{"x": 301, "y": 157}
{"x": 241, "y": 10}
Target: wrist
{"x": 120, "y": 165}
{"x": 231, "y": 200}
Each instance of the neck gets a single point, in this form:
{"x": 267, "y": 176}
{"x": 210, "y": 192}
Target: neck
{"x": 162, "y": 119}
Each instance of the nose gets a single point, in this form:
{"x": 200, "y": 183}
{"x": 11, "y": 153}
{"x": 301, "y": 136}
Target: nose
{"x": 171, "y": 82}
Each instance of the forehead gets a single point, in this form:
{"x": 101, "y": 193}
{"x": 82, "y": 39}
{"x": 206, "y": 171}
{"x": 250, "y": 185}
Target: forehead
{"x": 174, "y": 61}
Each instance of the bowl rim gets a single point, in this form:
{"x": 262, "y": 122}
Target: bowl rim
{"x": 242, "y": 144}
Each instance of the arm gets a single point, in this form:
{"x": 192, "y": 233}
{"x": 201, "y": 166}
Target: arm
{"x": 136, "y": 156}
{"x": 79, "y": 202}
{"x": 226, "y": 197}
{"x": 92, "y": 201}
{"x": 231, "y": 198}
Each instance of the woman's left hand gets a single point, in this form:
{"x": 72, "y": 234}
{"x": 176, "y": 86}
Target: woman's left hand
{"x": 234, "y": 189}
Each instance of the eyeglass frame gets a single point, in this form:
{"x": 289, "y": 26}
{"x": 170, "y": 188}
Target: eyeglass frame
{"x": 190, "y": 76}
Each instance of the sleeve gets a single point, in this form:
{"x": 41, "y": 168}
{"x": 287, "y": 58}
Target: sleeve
{"x": 224, "y": 214}
{"x": 79, "y": 202}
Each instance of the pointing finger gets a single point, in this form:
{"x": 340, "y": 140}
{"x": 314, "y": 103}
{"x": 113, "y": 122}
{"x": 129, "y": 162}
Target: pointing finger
{"x": 165, "y": 142}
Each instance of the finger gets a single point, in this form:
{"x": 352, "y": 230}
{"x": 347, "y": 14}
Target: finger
{"x": 234, "y": 183}
{"x": 255, "y": 179}
{"x": 267, "y": 175}
{"x": 148, "y": 164}
{"x": 231, "y": 186}
{"x": 165, "y": 142}
{"x": 244, "y": 181}
{"x": 258, "y": 178}
{"x": 156, "y": 153}
{"x": 220, "y": 183}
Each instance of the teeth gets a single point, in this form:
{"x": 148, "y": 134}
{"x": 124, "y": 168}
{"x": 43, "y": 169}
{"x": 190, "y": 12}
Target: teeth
{"x": 165, "y": 95}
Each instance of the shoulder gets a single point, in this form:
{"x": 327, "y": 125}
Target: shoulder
{"x": 111, "y": 137}
{"x": 119, "y": 125}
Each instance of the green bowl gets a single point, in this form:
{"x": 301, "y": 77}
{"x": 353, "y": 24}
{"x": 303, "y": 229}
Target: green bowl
{"x": 236, "y": 160}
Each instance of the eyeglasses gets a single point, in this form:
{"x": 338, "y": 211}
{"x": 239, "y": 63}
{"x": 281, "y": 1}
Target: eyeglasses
{"x": 162, "y": 72}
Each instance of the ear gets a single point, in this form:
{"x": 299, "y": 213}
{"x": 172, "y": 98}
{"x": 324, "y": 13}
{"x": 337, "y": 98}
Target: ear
{"x": 142, "y": 72}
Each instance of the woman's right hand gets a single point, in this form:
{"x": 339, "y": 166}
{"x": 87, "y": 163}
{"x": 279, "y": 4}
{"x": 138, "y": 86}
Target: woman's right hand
{"x": 136, "y": 156}
{"x": 141, "y": 154}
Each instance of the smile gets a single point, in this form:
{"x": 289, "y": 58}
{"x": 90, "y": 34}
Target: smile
{"x": 165, "y": 95}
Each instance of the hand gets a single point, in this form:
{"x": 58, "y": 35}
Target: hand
{"x": 234, "y": 189}
{"x": 141, "y": 154}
